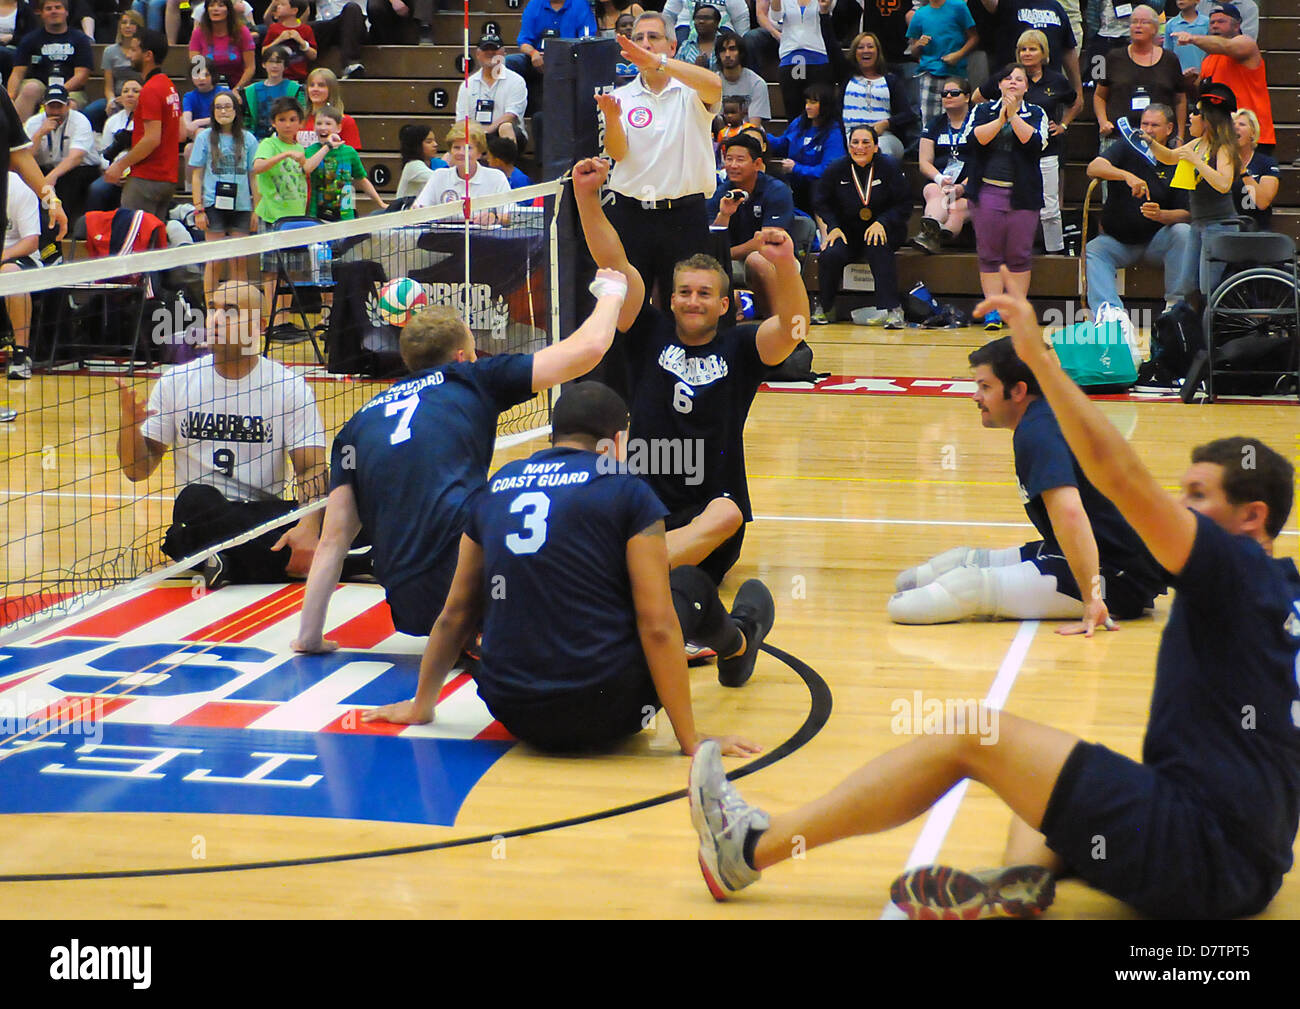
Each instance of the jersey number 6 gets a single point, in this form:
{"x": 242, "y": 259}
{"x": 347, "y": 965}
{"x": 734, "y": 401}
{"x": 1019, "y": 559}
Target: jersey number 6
{"x": 683, "y": 398}
{"x": 535, "y": 506}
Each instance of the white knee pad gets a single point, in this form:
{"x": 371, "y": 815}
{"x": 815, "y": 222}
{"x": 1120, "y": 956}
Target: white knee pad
{"x": 959, "y": 594}
{"x": 924, "y": 574}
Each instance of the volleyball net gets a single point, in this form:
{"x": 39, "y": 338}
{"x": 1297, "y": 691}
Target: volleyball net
{"x": 81, "y": 515}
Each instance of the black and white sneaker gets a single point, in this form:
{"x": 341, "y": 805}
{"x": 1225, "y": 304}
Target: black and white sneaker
{"x": 214, "y": 572}
{"x": 755, "y": 612}
{"x": 20, "y": 365}
{"x": 355, "y": 71}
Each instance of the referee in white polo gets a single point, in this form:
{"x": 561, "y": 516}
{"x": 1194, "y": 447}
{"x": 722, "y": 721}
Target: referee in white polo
{"x": 658, "y": 130}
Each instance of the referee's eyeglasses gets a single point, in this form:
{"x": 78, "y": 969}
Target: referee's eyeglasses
{"x": 641, "y": 38}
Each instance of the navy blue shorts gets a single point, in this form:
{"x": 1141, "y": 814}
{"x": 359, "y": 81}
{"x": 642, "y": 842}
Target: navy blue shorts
{"x": 1124, "y": 600}
{"x": 416, "y": 602}
{"x": 1128, "y": 830}
{"x": 582, "y": 719}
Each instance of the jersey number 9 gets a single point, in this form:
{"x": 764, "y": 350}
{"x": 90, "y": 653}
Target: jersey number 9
{"x": 223, "y": 459}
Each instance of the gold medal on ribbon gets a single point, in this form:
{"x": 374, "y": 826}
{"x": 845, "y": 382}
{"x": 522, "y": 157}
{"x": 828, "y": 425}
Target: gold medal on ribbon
{"x": 863, "y": 194}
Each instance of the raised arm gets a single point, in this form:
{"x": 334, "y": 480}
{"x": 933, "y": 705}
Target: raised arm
{"x": 788, "y": 325}
{"x": 602, "y": 240}
{"x": 1110, "y": 462}
{"x": 705, "y": 83}
{"x": 574, "y": 357}
{"x": 138, "y": 455}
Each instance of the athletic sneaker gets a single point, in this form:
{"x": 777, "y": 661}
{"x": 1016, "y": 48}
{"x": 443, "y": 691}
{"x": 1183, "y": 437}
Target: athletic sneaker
{"x": 214, "y": 572}
{"x": 698, "y": 655}
{"x": 992, "y": 321}
{"x": 819, "y": 318}
{"x": 354, "y": 72}
{"x": 938, "y": 892}
{"x": 8, "y": 414}
{"x": 723, "y": 820}
{"x": 20, "y": 365}
{"x": 755, "y": 612}
{"x": 895, "y": 319}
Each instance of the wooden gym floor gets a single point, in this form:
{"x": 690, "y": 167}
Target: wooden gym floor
{"x": 847, "y": 490}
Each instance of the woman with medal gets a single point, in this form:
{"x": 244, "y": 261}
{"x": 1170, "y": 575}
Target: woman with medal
{"x": 862, "y": 203}
{"x": 1003, "y": 143}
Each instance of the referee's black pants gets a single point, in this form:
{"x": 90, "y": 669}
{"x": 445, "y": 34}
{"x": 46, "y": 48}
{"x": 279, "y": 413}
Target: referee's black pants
{"x": 655, "y": 241}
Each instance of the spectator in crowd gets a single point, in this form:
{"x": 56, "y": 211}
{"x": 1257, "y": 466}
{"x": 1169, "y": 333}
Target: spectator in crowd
{"x": 221, "y": 35}
{"x": 154, "y": 157}
{"x": 503, "y": 155}
{"x": 261, "y": 95}
{"x": 1144, "y": 219}
{"x": 733, "y": 15}
{"x": 1106, "y": 28}
{"x": 608, "y": 13}
{"x": 730, "y": 124}
{"x": 392, "y": 23}
{"x": 701, "y": 44}
{"x": 942, "y": 34}
{"x": 737, "y": 79}
{"x": 196, "y": 105}
{"x": 495, "y": 96}
{"x": 54, "y": 53}
{"x": 542, "y": 20}
{"x": 877, "y": 98}
{"x": 809, "y": 144}
{"x": 323, "y": 89}
{"x": 464, "y": 175}
{"x": 221, "y": 164}
{"x": 116, "y": 67}
{"x": 1137, "y": 75}
{"x": 335, "y": 181}
{"x": 1191, "y": 21}
{"x": 342, "y": 23}
{"x": 625, "y": 23}
{"x": 289, "y": 31}
{"x": 865, "y": 219}
{"x": 16, "y": 20}
{"x": 153, "y": 13}
{"x": 804, "y": 58}
{"x": 946, "y": 207}
{"x": 763, "y": 41}
{"x": 1050, "y": 90}
{"x": 1003, "y": 145}
{"x": 1256, "y": 187}
{"x": 747, "y": 201}
{"x": 114, "y": 139}
{"x": 21, "y": 241}
{"x": 1213, "y": 156}
{"x": 885, "y": 19}
{"x": 1249, "y": 14}
{"x": 1015, "y": 17}
{"x": 1233, "y": 59}
{"x": 419, "y": 146}
{"x": 63, "y": 143}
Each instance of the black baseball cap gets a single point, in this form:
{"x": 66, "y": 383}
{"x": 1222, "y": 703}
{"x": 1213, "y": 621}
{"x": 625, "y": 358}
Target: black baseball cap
{"x": 1218, "y": 95}
{"x": 489, "y": 41}
{"x": 55, "y": 93}
{"x": 1229, "y": 9}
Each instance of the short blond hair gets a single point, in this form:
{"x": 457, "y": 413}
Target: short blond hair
{"x": 1252, "y": 120}
{"x": 476, "y": 136}
{"x": 1037, "y": 38}
{"x": 433, "y": 336}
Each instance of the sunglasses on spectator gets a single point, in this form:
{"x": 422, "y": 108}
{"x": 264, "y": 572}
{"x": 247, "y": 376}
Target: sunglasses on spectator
{"x": 951, "y": 94}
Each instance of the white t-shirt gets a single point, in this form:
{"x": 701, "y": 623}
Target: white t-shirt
{"x": 74, "y": 133}
{"x": 119, "y": 120}
{"x": 508, "y": 93}
{"x": 669, "y": 143}
{"x": 445, "y": 186}
{"x": 233, "y": 435}
{"x": 754, "y": 88}
{"x": 414, "y": 175}
{"x": 24, "y": 214}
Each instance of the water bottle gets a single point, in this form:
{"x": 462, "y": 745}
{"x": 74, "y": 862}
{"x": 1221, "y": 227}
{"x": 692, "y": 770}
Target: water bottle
{"x": 323, "y": 266}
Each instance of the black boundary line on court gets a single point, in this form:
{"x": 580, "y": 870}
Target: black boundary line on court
{"x": 818, "y": 714}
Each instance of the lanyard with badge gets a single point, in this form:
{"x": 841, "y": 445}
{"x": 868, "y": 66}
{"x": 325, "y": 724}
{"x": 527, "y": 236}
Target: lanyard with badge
{"x": 864, "y": 196}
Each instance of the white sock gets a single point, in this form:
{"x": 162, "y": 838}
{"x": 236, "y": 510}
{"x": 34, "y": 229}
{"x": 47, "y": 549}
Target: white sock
{"x": 924, "y": 574}
{"x": 1014, "y": 592}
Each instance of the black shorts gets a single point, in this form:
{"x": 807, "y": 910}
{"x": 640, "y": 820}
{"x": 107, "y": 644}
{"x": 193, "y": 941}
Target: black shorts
{"x": 582, "y": 720}
{"x": 228, "y": 220}
{"x": 724, "y": 558}
{"x": 1128, "y": 830}
{"x": 416, "y": 602}
{"x": 1124, "y": 599}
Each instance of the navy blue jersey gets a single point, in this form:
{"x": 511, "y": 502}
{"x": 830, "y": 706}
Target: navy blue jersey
{"x": 1043, "y": 462}
{"x": 697, "y": 397}
{"x": 770, "y": 205}
{"x": 558, "y": 611}
{"x": 416, "y": 453}
{"x": 1225, "y": 714}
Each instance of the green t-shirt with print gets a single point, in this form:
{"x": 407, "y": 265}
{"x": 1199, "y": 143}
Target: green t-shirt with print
{"x": 333, "y": 186}
{"x": 282, "y": 188}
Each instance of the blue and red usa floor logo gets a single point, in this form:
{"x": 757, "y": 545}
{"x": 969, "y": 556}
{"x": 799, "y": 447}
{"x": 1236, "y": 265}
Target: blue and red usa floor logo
{"x": 164, "y": 702}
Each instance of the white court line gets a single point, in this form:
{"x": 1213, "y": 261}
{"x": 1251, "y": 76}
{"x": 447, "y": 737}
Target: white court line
{"x": 927, "y": 846}
{"x": 855, "y": 520}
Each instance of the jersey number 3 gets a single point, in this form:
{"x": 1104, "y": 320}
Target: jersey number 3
{"x": 535, "y": 506}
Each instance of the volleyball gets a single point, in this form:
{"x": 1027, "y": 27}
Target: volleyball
{"x": 399, "y": 299}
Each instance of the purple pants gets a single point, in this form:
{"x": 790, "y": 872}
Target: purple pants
{"x": 1002, "y": 235}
